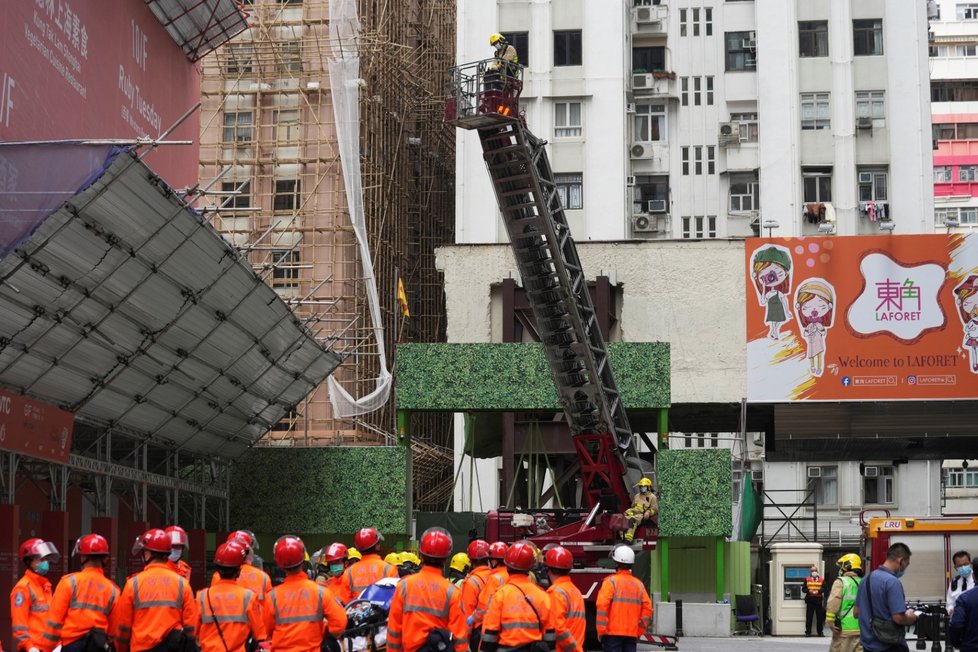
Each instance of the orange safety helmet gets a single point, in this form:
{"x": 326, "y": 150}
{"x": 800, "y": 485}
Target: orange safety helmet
{"x": 478, "y": 550}
{"x": 559, "y": 557}
{"x": 155, "y": 540}
{"x": 178, "y": 536}
{"x": 436, "y": 543}
{"x": 521, "y": 556}
{"x": 230, "y": 555}
{"x": 335, "y": 552}
{"x": 38, "y": 548}
{"x": 289, "y": 552}
{"x": 497, "y": 550}
{"x": 367, "y": 538}
{"x": 91, "y": 545}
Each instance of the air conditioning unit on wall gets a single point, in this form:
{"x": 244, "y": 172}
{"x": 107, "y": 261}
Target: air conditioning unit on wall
{"x": 729, "y": 134}
{"x": 645, "y": 224}
{"x": 657, "y": 205}
{"x": 814, "y": 472}
{"x": 871, "y": 471}
{"x": 641, "y": 151}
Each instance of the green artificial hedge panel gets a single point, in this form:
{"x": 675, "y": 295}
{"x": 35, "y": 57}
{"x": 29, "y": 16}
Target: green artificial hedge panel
{"x": 511, "y": 377}
{"x": 695, "y": 493}
{"x": 316, "y": 490}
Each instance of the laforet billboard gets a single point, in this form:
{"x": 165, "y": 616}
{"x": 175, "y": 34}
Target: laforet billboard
{"x": 889, "y": 317}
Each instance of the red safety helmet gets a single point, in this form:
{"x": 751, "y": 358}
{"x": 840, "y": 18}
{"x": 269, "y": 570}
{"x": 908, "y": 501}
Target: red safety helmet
{"x": 245, "y": 538}
{"x": 91, "y": 545}
{"x": 436, "y": 543}
{"x": 559, "y": 557}
{"x": 498, "y": 550}
{"x": 335, "y": 552}
{"x": 478, "y": 550}
{"x": 38, "y": 548}
{"x": 521, "y": 556}
{"x": 230, "y": 555}
{"x": 289, "y": 552}
{"x": 178, "y": 536}
{"x": 155, "y": 540}
{"x": 366, "y": 539}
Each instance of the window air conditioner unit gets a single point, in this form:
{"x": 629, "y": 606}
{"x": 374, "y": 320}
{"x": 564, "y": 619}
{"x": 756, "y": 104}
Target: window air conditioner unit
{"x": 865, "y": 177}
{"x": 644, "y": 224}
{"x": 814, "y": 472}
{"x": 630, "y": 180}
{"x": 657, "y": 205}
{"x": 729, "y": 133}
{"x": 864, "y": 123}
{"x": 871, "y": 471}
{"x": 641, "y": 150}
{"x": 643, "y": 81}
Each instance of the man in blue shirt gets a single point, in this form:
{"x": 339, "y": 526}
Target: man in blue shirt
{"x": 888, "y": 601}
{"x": 963, "y": 629}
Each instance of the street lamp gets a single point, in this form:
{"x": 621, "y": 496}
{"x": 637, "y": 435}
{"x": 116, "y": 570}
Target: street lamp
{"x": 770, "y": 225}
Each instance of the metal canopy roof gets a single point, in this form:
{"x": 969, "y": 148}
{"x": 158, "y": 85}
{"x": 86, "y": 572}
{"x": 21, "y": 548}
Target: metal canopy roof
{"x": 127, "y": 308}
{"x": 199, "y": 26}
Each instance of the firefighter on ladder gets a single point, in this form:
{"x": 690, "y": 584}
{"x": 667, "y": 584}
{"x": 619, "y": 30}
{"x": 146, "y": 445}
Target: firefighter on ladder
{"x": 502, "y": 67}
{"x": 644, "y": 509}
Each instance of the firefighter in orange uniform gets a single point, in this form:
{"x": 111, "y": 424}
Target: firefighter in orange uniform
{"x": 624, "y": 610}
{"x": 369, "y": 569}
{"x": 498, "y": 577}
{"x": 478, "y": 552}
{"x": 298, "y": 609}
{"x": 228, "y": 613}
{"x": 426, "y": 611}
{"x": 30, "y": 598}
{"x": 332, "y": 563}
{"x": 82, "y": 601}
{"x": 519, "y": 613}
{"x": 156, "y": 610}
{"x": 180, "y": 542}
{"x": 566, "y": 600}
{"x": 251, "y": 577}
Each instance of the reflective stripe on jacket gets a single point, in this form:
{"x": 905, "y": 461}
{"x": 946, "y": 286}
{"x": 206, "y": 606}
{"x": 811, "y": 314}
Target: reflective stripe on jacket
{"x": 153, "y": 603}
{"x": 472, "y": 587}
{"x": 235, "y": 609}
{"x": 569, "y": 619}
{"x": 519, "y": 613}
{"x": 623, "y": 607}
{"x": 30, "y": 600}
{"x": 298, "y": 611}
{"x": 254, "y": 579}
{"x": 82, "y": 601}
{"x": 362, "y": 574}
{"x": 423, "y": 602}
{"x": 497, "y": 579}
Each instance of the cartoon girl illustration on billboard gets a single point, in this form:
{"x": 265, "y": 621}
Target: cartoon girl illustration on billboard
{"x": 967, "y": 298}
{"x": 771, "y": 273}
{"x": 815, "y": 308}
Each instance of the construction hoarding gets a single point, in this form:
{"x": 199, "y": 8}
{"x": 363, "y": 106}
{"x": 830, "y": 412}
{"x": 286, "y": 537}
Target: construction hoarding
{"x": 34, "y": 428}
{"x": 862, "y": 318}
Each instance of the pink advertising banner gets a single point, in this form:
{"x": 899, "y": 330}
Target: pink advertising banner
{"x": 92, "y": 69}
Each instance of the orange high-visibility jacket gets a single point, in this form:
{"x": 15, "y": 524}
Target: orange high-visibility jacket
{"x": 181, "y": 568}
{"x": 567, "y": 605}
{"x": 82, "y": 601}
{"x": 235, "y": 609}
{"x": 472, "y": 587}
{"x": 30, "y": 600}
{"x": 153, "y": 603}
{"x": 362, "y": 574}
{"x": 296, "y": 612}
{"x": 623, "y": 607}
{"x": 423, "y": 602}
{"x": 498, "y": 577}
{"x": 519, "y": 614}
{"x": 254, "y": 579}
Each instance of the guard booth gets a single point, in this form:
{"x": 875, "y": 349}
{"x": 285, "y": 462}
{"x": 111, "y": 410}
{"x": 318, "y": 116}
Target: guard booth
{"x": 789, "y": 566}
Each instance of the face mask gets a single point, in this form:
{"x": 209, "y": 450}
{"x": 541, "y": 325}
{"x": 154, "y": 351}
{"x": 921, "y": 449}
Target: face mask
{"x": 43, "y": 568}
{"x": 335, "y": 569}
{"x": 175, "y": 555}
{"x": 643, "y": 490}
{"x": 964, "y": 571}
{"x": 900, "y": 572}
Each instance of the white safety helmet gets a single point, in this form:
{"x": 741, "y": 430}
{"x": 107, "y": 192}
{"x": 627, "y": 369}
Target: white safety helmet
{"x": 623, "y": 555}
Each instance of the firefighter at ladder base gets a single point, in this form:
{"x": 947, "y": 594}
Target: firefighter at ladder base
{"x": 644, "y": 509}
{"x": 623, "y": 609}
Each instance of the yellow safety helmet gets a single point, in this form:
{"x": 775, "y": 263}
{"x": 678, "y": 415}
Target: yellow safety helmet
{"x": 410, "y": 558}
{"x": 393, "y": 558}
{"x": 850, "y": 562}
{"x": 496, "y": 37}
{"x": 353, "y": 553}
{"x": 644, "y": 482}
{"x": 460, "y": 562}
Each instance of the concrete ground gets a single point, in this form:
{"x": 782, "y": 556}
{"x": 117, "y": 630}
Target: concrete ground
{"x": 750, "y": 644}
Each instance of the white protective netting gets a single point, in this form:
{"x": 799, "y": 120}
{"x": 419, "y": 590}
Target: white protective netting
{"x": 345, "y": 82}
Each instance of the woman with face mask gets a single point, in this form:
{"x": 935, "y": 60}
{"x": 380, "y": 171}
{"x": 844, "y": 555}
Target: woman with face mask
{"x": 962, "y": 578}
{"x": 31, "y": 596}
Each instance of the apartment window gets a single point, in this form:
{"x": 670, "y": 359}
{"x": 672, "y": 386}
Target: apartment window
{"x": 684, "y": 90}
{"x": 878, "y": 489}
{"x": 942, "y": 174}
{"x": 682, "y": 22}
{"x": 241, "y": 197}
{"x": 741, "y": 51}
{"x": 285, "y": 268}
{"x": 711, "y": 158}
{"x": 239, "y": 59}
{"x": 570, "y": 188}
{"x": 567, "y": 120}
{"x": 937, "y": 51}
{"x": 697, "y": 85}
{"x": 521, "y": 43}
{"x": 965, "y": 90}
{"x": 813, "y": 38}
{"x": 709, "y": 90}
{"x": 648, "y": 59}
{"x": 867, "y": 37}
{"x": 286, "y": 194}
{"x": 685, "y": 159}
{"x": 872, "y": 184}
{"x": 748, "y": 126}
{"x": 967, "y": 11}
{"x": 968, "y": 173}
{"x": 817, "y": 183}
{"x": 696, "y": 21}
{"x": 699, "y": 226}
{"x": 870, "y": 104}
{"x": 649, "y": 123}
{"x": 967, "y": 130}
{"x": 288, "y": 57}
{"x": 287, "y": 125}
{"x": 826, "y": 485}
{"x": 650, "y": 189}
{"x": 965, "y": 50}
{"x": 744, "y": 193}
{"x": 567, "y": 48}
{"x": 698, "y": 159}
{"x": 968, "y": 216}
{"x": 943, "y": 131}
{"x": 960, "y": 477}
{"x": 708, "y": 21}
{"x": 239, "y": 127}
{"x": 815, "y": 111}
